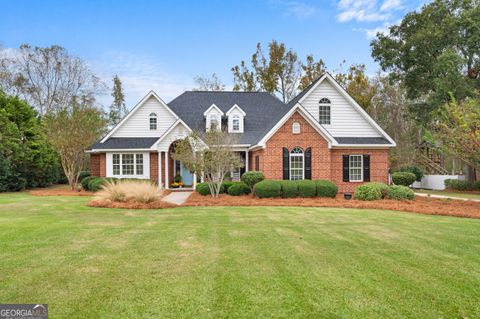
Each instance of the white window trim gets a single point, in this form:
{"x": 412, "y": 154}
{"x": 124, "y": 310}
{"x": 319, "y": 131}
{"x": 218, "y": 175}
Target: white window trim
{"x": 235, "y": 118}
{"x": 299, "y": 128}
{"x": 350, "y": 168}
{"x": 302, "y": 155}
{"x": 150, "y": 117}
{"x": 146, "y": 165}
{"x": 209, "y": 122}
{"x": 329, "y": 112}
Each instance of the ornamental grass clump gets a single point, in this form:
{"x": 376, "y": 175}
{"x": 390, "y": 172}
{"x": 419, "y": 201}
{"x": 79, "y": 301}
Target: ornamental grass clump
{"x": 123, "y": 191}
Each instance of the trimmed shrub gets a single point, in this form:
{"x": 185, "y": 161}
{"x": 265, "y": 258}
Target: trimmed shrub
{"x": 400, "y": 192}
{"x": 203, "y": 189}
{"x": 82, "y": 175}
{"x": 306, "y": 188}
{"x": 289, "y": 188}
{"x": 459, "y": 185}
{"x": 225, "y": 186}
{"x": 368, "y": 191}
{"x": 87, "y": 180}
{"x": 403, "y": 178}
{"x": 95, "y": 184}
{"x": 326, "y": 188}
{"x": 238, "y": 188}
{"x": 476, "y": 186}
{"x": 267, "y": 188}
{"x": 412, "y": 169}
{"x": 251, "y": 178}
{"x": 382, "y": 187}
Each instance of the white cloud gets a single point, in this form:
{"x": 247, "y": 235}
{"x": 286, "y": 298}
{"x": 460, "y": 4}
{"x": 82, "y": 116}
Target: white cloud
{"x": 139, "y": 74}
{"x": 297, "y": 9}
{"x": 366, "y": 10}
{"x": 372, "y": 33}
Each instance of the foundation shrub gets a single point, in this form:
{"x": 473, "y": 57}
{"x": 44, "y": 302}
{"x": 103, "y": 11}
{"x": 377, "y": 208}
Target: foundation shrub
{"x": 87, "y": 180}
{"x": 289, "y": 188}
{"x": 368, "y": 191}
{"x": 326, "y": 188}
{"x": 239, "y": 188}
{"x": 403, "y": 178}
{"x": 307, "y": 188}
{"x": 267, "y": 188}
{"x": 225, "y": 186}
{"x": 400, "y": 192}
{"x": 251, "y": 178}
{"x": 203, "y": 189}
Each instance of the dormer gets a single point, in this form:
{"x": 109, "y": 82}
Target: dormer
{"x": 236, "y": 118}
{"x": 213, "y": 118}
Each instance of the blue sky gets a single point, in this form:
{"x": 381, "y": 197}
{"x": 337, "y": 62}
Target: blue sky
{"x": 164, "y": 45}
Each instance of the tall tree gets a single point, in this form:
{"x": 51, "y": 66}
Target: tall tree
{"x": 71, "y": 130}
{"x": 435, "y": 52}
{"x": 280, "y": 73}
{"x": 47, "y": 78}
{"x": 117, "y": 109}
{"x": 311, "y": 71}
{"x": 212, "y": 83}
{"x": 358, "y": 85}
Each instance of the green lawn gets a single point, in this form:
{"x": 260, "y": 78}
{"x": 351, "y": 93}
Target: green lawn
{"x": 448, "y": 193}
{"x": 236, "y": 262}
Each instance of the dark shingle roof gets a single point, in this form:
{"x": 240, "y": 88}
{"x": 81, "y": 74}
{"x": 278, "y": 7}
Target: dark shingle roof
{"x": 263, "y": 110}
{"x": 362, "y": 140}
{"x": 125, "y": 143}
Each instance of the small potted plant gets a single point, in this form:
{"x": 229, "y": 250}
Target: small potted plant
{"x": 178, "y": 181}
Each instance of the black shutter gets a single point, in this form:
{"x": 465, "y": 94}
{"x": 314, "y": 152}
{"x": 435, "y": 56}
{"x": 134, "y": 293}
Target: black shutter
{"x": 308, "y": 163}
{"x": 346, "y": 165}
{"x": 366, "y": 168}
{"x": 286, "y": 163}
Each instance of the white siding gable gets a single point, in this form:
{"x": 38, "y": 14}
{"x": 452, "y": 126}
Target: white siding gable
{"x": 179, "y": 132}
{"x": 138, "y": 125}
{"x": 213, "y": 111}
{"x": 235, "y": 111}
{"x": 345, "y": 120}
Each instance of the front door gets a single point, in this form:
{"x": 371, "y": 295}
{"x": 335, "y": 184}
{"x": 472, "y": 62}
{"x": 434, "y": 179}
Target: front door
{"x": 187, "y": 176}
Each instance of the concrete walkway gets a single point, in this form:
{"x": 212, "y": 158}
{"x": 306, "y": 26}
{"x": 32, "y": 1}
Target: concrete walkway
{"x": 446, "y": 197}
{"x": 177, "y": 198}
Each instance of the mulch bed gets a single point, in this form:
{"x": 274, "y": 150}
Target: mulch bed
{"x": 421, "y": 205}
{"x": 129, "y": 204}
{"x": 59, "y": 192}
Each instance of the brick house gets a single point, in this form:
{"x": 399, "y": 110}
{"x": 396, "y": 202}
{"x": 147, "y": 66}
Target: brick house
{"x": 321, "y": 134}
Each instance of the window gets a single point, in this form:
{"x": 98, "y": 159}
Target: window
{"x": 236, "y": 123}
{"x": 116, "y": 164}
{"x": 296, "y": 164}
{"x": 153, "y": 121}
{"x": 139, "y": 164}
{"x": 257, "y": 162}
{"x": 127, "y": 164}
{"x": 296, "y": 128}
{"x": 324, "y": 111}
{"x": 355, "y": 167}
{"x": 214, "y": 123}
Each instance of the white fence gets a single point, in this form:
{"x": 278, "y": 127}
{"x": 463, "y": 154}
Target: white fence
{"x": 435, "y": 181}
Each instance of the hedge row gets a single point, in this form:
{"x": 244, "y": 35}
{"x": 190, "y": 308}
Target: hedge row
{"x": 376, "y": 191}
{"x": 231, "y": 188}
{"x": 461, "y": 185}
{"x": 301, "y": 188}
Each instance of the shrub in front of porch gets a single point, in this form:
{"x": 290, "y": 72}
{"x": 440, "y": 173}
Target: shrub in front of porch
{"x": 306, "y": 188}
{"x": 251, "y": 178}
{"x": 238, "y": 189}
{"x": 203, "y": 189}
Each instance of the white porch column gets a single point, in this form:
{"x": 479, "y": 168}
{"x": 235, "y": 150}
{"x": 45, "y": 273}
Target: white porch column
{"x": 247, "y": 168}
{"x": 160, "y": 170}
{"x": 166, "y": 170}
{"x": 194, "y": 180}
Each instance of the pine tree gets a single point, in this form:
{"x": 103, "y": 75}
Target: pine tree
{"x": 117, "y": 109}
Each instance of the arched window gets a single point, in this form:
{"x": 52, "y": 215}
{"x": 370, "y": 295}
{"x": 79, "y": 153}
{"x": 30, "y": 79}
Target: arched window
{"x": 296, "y": 128}
{"x": 324, "y": 111}
{"x": 214, "y": 123}
{"x": 296, "y": 164}
{"x": 153, "y": 121}
{"x": 236, "y": 123}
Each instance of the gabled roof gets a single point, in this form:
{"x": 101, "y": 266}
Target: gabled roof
{"x": 362, "y": 140}
{"x": 305, "y": 91}
{"x": 262, "y": 110}
{"x": 213, "y": 107}
{"x": 235, "y": 107}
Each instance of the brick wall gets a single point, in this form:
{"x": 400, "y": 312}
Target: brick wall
{"x": 326, "y": 163}
{"x": 378, "y": 167}
{"x": 154, "y": 167}
{"x": 98, "y": 164}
